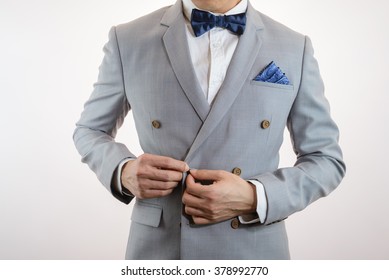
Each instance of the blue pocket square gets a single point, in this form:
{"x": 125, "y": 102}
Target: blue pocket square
{"x": 272, "y": 74}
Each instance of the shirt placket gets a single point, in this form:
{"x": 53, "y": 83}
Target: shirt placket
{"x": 217, "y": 63}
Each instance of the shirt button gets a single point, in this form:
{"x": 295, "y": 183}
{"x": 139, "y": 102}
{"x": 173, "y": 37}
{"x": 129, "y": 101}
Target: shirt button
{"x": 235, "y": 223}
{"x": 156, "y": 124}
{"x": 237, "y": 171}
{"x": 265, "y": 124}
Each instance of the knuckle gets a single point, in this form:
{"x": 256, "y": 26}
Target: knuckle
{"x": 165, "y": 176}
{"x": 143, "y": 159}
{"x": 140, "y": 196}
{"x": 185, "y": 198}
{"x": 211, "y": 210}
{"x": 177, "y": 176}
{"x": 189, "y": 210}
{"x": 138, "y": 172}
{"x": 166, "y": 161}
{"x": 142, "y": 170}
{"x": 142, "y": 193}
{"x": 182, "y": 166}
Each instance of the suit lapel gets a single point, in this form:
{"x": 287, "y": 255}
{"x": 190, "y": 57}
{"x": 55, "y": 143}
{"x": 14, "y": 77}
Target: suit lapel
{"x": 237, "y": 74}
{"x": 178, "y": 52}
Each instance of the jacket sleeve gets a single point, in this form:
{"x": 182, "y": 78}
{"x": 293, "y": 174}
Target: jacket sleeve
{"x": 319, "y": 167}
{"x": 103, "y": 114}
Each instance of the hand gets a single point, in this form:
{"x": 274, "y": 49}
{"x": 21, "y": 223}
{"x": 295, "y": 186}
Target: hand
{"x": 227, "y": 197}
{"x": 151, "y": 176}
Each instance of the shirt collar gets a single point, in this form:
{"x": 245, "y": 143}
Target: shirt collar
{"x": 189, "y": 6}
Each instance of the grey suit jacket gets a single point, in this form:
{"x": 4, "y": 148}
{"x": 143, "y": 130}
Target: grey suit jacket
{"x": 147, "y": 68}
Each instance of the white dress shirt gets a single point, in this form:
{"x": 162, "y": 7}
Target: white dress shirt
{"x": 211, "y": 54}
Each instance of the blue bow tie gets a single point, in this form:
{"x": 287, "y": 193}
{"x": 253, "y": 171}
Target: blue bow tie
{"x": 203, "y": 22}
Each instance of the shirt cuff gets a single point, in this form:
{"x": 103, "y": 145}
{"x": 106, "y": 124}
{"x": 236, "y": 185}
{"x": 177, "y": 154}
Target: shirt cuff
{"x": 260, "y": 215}
{"x": 117, "y": 182}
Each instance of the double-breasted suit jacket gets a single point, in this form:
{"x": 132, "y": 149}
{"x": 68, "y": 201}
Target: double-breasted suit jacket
{"x": 147, "y": 69}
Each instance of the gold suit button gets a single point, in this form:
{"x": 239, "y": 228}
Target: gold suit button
{"x": 237, "y": 171}
{"x": 156, "y": 124}
{"x": 235, "y": 223}
{"x": 265, "y": 124}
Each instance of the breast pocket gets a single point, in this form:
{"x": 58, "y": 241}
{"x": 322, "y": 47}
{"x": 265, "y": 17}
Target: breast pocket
{"x": 270, "y": 98}
{"x": 274, "y": 86}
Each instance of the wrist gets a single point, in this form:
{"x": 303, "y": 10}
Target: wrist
{"x": 254, "y": 198}
{"x": 124, "y": 171}
{"x": 250, "y": 199}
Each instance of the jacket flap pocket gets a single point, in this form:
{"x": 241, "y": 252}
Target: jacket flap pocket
{"x": 146, "y": 214}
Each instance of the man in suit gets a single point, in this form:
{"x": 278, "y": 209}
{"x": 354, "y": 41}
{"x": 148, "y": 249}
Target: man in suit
{"x": 197, "y": 104}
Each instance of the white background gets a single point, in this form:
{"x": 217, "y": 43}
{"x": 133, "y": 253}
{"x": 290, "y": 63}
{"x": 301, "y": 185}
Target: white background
{"x": 53, "y": 207}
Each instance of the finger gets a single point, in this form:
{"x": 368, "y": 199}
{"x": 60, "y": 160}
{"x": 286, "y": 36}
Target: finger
{"x": 194, "y": 188}
{"x": 198, "y": 220}
{"x": 156, "y": 174}
{"x": 190, "y": 181}
{"x": 202, "y": 217}
{"x": 144, "y": 194}
{"x": 191, "y": 200}
{"x": 208, "y": 175}
{"x": 147, "y": 184}
{"x": 165, "y": 162}
{"x": 191, "y": 211}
